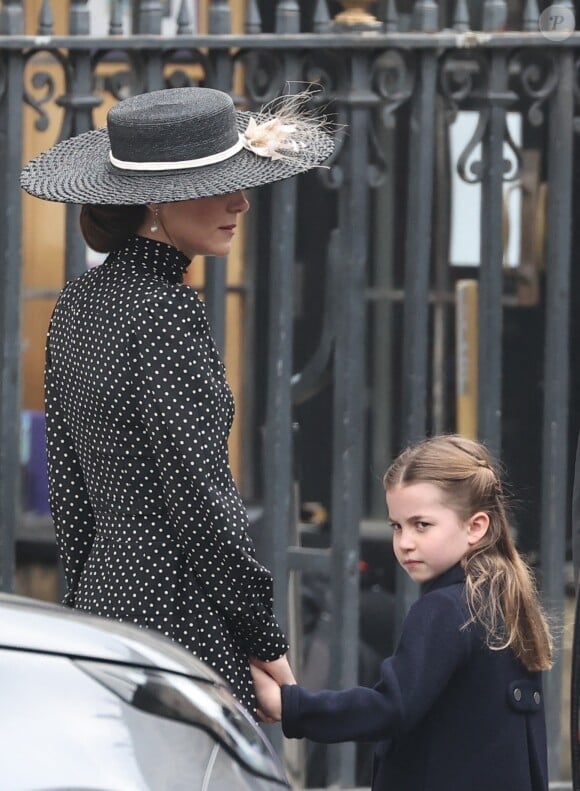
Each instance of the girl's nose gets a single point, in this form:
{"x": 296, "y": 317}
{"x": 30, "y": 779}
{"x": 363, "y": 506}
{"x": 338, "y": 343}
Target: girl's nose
{"x": 406, "y": 539}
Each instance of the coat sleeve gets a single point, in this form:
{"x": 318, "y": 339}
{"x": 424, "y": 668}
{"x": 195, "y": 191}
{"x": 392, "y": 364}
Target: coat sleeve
{"x": 71, "y": 510}
{"x": 432, "y": 647}
{"x": 182, "y": 405}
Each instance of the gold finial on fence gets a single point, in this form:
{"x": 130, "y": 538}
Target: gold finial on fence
{"x": 356, "y": 13}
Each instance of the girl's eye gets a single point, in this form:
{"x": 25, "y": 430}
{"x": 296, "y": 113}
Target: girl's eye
{"x": 394, "y": 527}
{"x": 423, "y": 525}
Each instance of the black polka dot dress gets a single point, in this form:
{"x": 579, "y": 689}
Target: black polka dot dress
{"x": 149, "y": 523}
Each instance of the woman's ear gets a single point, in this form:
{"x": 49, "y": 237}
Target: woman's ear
{"x": 477, "y": 527}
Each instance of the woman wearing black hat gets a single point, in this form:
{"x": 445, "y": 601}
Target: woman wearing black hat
{"x": 149, "y": 523}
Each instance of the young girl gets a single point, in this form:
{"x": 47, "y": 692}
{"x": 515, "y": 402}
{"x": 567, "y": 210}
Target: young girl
{"x": 459, "y": 705}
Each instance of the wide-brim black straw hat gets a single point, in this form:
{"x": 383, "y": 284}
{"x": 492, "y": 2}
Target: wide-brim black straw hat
{"x": 178, "y": 144}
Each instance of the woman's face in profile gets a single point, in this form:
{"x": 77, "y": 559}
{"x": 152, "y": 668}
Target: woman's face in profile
{"x": 204, "y": 226}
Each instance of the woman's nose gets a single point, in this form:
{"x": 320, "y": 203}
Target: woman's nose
{"x": 239, "y": 203}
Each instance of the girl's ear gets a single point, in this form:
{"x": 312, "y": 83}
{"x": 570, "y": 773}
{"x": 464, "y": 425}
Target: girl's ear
{"x": 477, "y": 527}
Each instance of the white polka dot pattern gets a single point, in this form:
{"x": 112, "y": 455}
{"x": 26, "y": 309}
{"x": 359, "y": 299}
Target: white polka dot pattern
{"x": 149, "y": 523}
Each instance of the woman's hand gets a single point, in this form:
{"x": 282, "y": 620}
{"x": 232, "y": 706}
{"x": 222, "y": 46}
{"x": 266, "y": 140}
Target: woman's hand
{"x": 268, "y": 695}
{"x": 278, "y": 669}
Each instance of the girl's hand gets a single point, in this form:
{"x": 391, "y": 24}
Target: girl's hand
{"x": 279, "y": 669}
{"x": 268, "y": 694}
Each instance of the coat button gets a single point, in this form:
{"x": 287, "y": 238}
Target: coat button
{"x": 517, "y": 694}
{"x": 537, "y": 698}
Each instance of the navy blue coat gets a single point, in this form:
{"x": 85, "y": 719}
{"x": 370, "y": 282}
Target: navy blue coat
{"x": 449, "y": 714}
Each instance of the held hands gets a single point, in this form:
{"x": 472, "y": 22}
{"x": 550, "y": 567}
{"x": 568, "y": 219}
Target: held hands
{"x": 268, "y": 694}
{"x": 279, "y": 669}
{"x": 268, "y": 678}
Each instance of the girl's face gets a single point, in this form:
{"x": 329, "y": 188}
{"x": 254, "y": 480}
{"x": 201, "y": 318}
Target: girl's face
{"x": 204, "y": 226}
{"x": 429, "y": 537}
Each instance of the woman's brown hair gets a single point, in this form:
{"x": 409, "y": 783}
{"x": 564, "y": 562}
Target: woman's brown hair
{"x": 500, "y": 588}
{"x": 106, "y": 228}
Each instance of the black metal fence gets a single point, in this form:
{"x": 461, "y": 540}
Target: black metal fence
{"x": 380, "y": 356}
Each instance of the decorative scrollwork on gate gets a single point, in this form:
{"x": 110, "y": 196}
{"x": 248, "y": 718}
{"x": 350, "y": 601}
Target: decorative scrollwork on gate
{"x": 392, "y": 81}
{"x": 470, "y": 169}
{"x": 512, "y": 168}
{"x": 180, "y": 64}
{"x": 461, "y": 76}
{"x": 536, "y": 75}
{"x": 464, "y": 84}
{"x": 393, "y": 78}
{"x": 327, "y": 72}
{"x": 45, "y": 82}
{"x": 266, "y": 78}
{"x": 264, "y": 75}
{"x": 123, "y": 72}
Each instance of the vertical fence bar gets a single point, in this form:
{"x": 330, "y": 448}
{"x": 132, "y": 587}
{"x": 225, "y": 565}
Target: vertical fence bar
{"x": 252, "y": 24}
{"x": 440, "y": 390}
{"x": 278, "y": 445}
{"x": 556, "y": 381}
{"x": 45, "y": 19}
{"x": 186, "y": 25}
{"x": 278, "y": 426}
{"x": 116, "y": 19}
{"x": 383, "y": 341}
{"x": 252, "y": 20}
{"x": 78, "y": 102}
{"x": 278, "y": 509}
{"x": 216, "y": 267}
{"x": 287, "y": 16}
{"x": 348, "y": 405}
{"x": 278, "y": 450}
{"x": 219, "y": 16}
{"x": 417, "y": 266}
{"x": 321, "y": 17}
{"x": 490, "y": 275}
{"x": 149, "y": 15}
{"x": 11, "y": 22}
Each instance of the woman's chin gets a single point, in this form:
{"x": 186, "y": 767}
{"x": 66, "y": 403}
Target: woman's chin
{"x": 219, "y": 251}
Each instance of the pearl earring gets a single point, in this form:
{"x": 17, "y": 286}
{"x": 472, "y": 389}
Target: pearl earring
{"x": 154, "y": 225}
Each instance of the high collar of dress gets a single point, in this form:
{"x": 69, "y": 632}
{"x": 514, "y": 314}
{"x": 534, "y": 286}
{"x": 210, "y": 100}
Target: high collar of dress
{"x": 159, "y": 258}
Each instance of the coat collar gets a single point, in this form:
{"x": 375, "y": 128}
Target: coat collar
{"x": 453, "y": 576}
{"x": 156, "y": 257}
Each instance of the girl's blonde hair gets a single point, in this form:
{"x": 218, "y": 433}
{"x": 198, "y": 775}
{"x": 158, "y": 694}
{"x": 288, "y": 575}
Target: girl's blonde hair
{"x": 500, "y": 588}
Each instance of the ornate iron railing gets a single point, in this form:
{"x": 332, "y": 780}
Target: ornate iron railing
{"x": 377, "y": 224}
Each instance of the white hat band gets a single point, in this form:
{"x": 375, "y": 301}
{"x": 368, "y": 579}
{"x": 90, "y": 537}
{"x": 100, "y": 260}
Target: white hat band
{"x": 211, "y": 159}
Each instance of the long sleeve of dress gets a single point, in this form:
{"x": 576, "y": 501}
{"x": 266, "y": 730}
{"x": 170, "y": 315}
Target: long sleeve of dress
{"x": 187, "y": 409}
{"x": 431, "y": 648}
{"x": 71, "y": 510}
